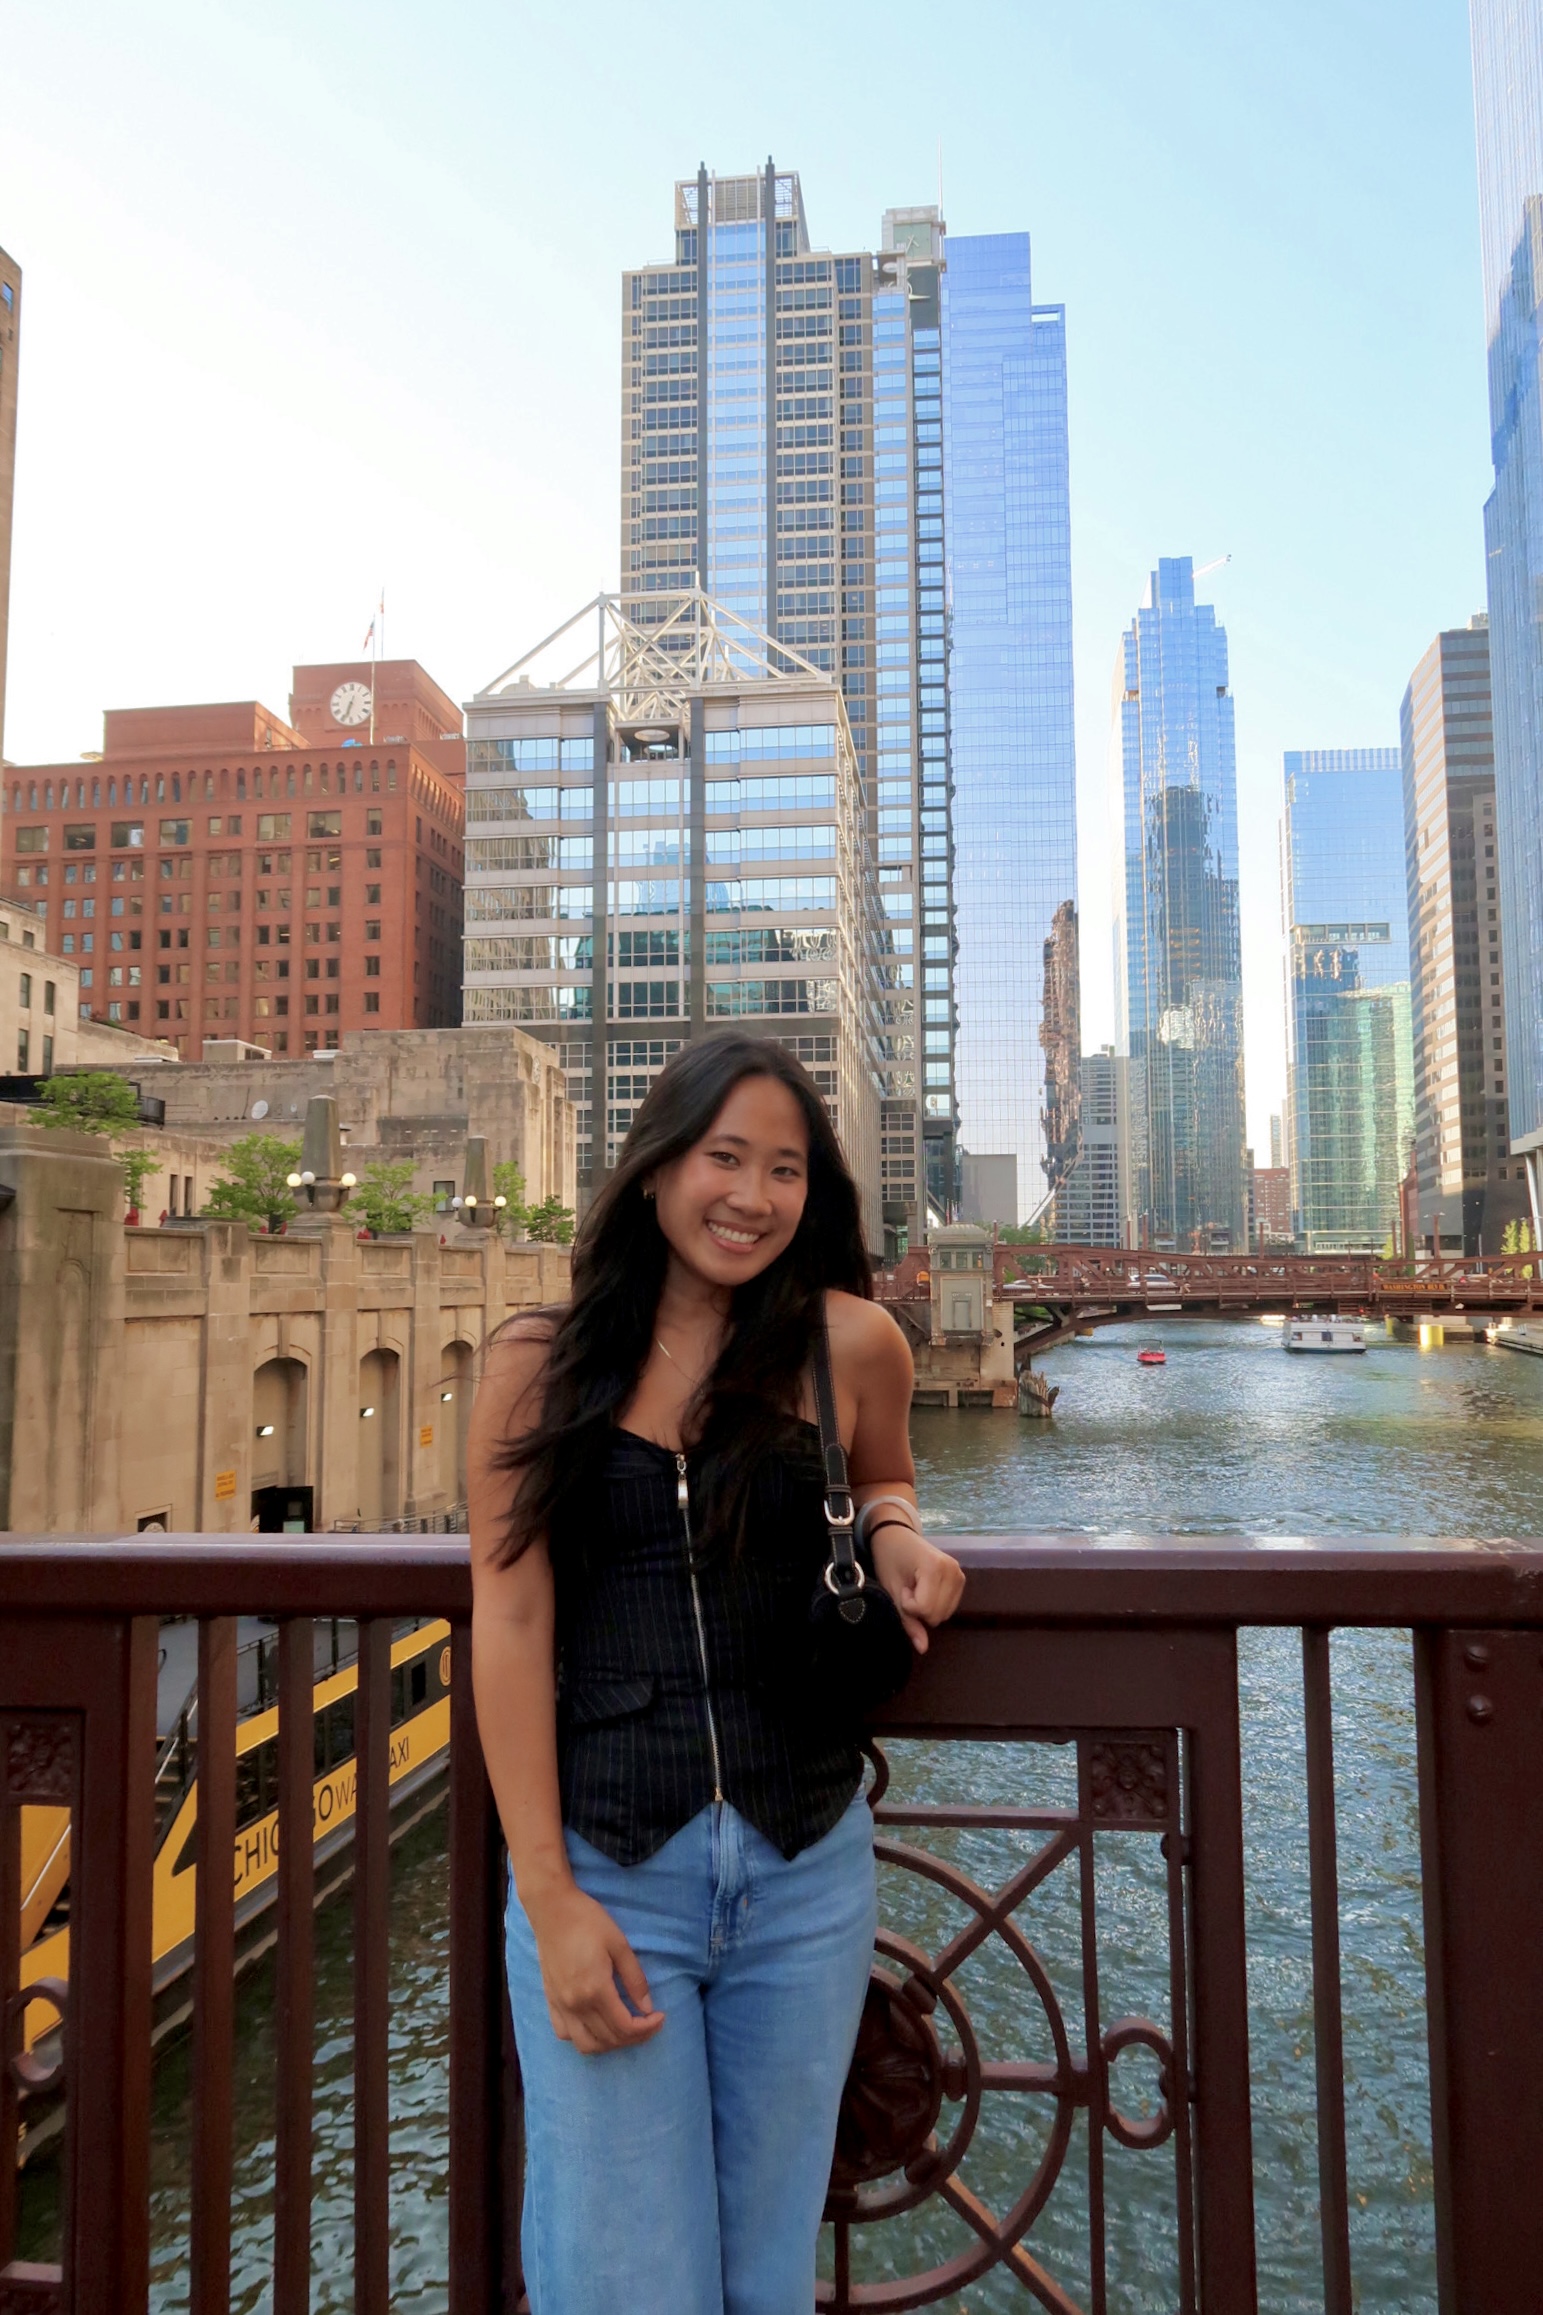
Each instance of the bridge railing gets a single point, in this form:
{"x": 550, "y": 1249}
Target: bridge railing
{"x": 1121, "y": 1657}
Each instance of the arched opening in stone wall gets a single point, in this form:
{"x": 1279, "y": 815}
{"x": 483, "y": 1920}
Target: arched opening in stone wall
{"x": 380, "y": 1456}
{"x": 279, "y": 1424}
{"x": 452, "y": 1418}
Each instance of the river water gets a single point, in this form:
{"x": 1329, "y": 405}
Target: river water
{"x": 1230, "y": 1435}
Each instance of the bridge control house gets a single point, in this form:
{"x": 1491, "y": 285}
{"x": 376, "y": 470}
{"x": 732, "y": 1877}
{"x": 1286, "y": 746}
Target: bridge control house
{"x": 220, "y": 871}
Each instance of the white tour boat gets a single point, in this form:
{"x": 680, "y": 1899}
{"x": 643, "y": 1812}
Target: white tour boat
{"x": 1325, "y": 1334}
{"x": 1509, "y": 1336}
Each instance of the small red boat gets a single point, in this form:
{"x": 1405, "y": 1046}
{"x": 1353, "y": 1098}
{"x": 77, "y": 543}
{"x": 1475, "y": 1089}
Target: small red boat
{"x": 1151, "y": 1358}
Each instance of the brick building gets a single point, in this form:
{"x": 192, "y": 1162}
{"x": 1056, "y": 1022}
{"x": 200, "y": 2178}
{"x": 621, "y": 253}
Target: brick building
{"x": 220, "y": 872}
{"x": 1272, "y": 1207}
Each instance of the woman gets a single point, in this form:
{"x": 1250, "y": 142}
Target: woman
{"x": 691, "y": 1919}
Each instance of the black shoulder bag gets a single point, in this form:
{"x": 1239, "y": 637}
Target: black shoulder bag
{"x": 860, "y": 1654}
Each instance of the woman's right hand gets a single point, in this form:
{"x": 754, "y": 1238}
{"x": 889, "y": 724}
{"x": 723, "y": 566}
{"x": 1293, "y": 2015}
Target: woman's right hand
{"x": 582, "y": 1954}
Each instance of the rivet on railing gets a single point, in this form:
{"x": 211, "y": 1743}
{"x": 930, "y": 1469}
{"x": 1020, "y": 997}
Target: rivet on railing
{"x": 1480, "y": 1709}
{"x": 1476, "y": 1654}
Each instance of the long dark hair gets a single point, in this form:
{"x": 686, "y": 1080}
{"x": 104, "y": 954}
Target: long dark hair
{"x": 601, "y": 1340}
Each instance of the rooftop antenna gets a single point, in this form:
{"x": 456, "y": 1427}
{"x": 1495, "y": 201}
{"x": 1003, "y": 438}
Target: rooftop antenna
{"x": 1219, "y": 564}
{"x": 940, "y": 180}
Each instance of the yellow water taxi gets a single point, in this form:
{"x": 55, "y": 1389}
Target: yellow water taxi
{"x": 420, "y": 1753}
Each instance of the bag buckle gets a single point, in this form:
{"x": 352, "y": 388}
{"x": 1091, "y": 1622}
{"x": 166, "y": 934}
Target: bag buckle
{"x": 834, "y": 1518}
{"x": 849, "y": 1583}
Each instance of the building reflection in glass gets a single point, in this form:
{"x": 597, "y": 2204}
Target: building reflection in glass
{"x": 1178, "y": 965}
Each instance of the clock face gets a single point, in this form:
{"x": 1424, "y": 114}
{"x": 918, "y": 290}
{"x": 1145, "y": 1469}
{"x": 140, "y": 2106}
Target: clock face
{"x": 350, "y": 703}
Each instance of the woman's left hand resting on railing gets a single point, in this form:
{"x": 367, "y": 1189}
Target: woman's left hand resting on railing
{"x": 925, "y": 1584}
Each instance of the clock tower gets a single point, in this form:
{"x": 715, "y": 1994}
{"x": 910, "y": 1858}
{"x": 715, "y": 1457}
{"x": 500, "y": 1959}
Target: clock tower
{"x": 330, "y": 704}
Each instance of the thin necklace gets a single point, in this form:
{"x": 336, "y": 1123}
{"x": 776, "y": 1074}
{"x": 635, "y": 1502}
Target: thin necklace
{"x": 674, "y": 1361}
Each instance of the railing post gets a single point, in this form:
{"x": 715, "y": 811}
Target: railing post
{"x": 1479, "y": 1698}
{"x": 77, "y": 1729}
{"x": 372, "y": 1970}
{"x": 484, "y": 2211}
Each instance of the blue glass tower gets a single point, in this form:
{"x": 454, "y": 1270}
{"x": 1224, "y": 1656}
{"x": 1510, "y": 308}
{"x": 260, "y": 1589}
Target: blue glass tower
{"x": 1508, "y": 100}
{"x": 1178, "y": 958}
{"x": 1350, "y": 1059}
{"x": 1010, "y": 694}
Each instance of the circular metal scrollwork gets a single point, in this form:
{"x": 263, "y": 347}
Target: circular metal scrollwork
{"x": 1141, "y": 2034}
{"x": 919, "y": 2080}
{"x": 34, "y": 2075}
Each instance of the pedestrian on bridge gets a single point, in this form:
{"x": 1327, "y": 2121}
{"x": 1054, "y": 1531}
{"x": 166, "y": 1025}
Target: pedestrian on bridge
{"x": 692, "y": 1910}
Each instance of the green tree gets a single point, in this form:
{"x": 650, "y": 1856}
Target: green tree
{"x": 509, "y": 1184}
{"x": 1517, "y": 1238}
{"x": 255, "y": 1187}
{"x": 385, "y": 1201}
{"x": 550, "y": 1223}
{"x": 95, "y": 1101}
{"x": 138, "y": 1165}
{"x": 1021, "y": 1234}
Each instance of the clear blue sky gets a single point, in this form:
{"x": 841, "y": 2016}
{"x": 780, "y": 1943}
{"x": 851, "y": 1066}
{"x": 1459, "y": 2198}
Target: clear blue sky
{"x": 323, "y": 295}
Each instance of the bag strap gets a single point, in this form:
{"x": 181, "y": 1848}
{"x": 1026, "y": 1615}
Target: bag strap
{"x": 844, "y": 1576}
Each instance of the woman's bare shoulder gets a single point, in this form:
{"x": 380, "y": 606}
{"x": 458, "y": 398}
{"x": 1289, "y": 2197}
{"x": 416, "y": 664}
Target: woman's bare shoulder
{"x": 514, "y": 1369}
{"x": 863, "y": 1336}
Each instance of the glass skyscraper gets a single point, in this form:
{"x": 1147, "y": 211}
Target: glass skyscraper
{"x": 660, "y": 840}
{"x": 782, "y": 434}
{"x": 1011, "y": 719}
{"x": 1470, "y": 1186}
{"x": 1178, "y": 961}
{"x": 1349, "y": 1059}
{"x": 1508, "y": 99}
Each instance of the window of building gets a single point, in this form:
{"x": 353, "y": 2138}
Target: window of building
{"x": 372, "y": 968}
{"x": 323, "y": 824}
{"x": 372, "y": 1000}
{"x": 374, "y": 825}
{"x": 26, "y": 992}
{"x": 175, "y": 832}
{"x": 23, "y": 1049}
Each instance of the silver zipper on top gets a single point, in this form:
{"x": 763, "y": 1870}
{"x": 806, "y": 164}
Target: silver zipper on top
{"x": 683, "y": 1498}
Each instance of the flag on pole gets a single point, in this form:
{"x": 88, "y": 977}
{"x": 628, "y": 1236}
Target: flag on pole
{"x": 369, "y": 638}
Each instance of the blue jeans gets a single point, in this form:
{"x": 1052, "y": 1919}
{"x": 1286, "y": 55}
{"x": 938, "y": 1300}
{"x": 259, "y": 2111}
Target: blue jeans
{"x": 686, "y": 2176}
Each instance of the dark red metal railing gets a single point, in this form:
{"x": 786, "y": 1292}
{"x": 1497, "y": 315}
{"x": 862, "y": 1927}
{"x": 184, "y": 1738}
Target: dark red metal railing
{"x": 1125, "y": 1653}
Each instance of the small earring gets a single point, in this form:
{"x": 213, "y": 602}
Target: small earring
{"x": 649, "y": 1195}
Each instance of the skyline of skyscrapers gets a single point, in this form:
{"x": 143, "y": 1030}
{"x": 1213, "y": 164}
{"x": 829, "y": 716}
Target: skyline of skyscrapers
{"x": 1349, "y": 1059}
{"x": 1469, "y": 1187}
{"x": 1011, "y": 711}
{"x": 1508, "y": 112}
{"x": 1178, "y": 958}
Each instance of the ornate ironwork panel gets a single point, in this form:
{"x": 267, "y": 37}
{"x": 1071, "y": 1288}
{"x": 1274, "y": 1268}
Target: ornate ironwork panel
{"x": 958, "y": 2158}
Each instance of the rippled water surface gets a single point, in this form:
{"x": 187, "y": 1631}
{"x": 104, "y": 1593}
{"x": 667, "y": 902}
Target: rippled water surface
{"x": 1231, "y": 1434}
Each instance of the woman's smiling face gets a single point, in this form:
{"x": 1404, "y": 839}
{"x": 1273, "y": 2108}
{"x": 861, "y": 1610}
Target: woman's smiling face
{"x": 732, "y": 1203}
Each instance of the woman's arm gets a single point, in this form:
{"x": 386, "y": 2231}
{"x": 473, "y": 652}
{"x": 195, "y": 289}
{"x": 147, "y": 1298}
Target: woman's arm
{"x": 874, "y": 1375}
{"x": 582, "y": 1951}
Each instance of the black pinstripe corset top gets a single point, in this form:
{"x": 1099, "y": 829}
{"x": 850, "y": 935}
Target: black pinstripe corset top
{"x": 675, "y": 1687}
